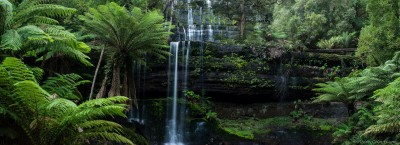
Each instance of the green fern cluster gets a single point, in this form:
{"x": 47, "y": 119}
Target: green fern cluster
{"x": 46, "y": 114}
{"x": 128, "y": 36}
{"x": 30, "y": 28}
{"x": 377, "y": 85}
{"x": 359, "y": 85}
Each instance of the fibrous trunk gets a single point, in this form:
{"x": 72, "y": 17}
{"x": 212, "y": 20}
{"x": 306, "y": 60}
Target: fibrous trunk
{"x": 115, "y": 82}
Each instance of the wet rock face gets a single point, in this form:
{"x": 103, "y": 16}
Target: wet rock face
{"x": 229, "y": 73}
{"x": 266, "y": 110}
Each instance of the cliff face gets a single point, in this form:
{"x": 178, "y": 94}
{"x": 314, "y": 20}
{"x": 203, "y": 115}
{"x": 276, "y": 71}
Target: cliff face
{"x": 236, "y": 74}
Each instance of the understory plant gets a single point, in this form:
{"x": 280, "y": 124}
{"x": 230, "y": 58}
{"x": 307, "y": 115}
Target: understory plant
{"x": 375, "y": 119}
{"x": 46, "y": 114}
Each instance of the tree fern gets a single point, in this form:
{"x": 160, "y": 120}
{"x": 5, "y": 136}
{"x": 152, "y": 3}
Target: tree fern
{"x": 64, "y": 86}
{"x": 51, "y": 120}
{"x": 6, "y": 15}
{"x": 361, "y": 85}
{"x": 32, "y": 29}
{"x": 128, "y": 36}
{"x": 17, "y": 70}
{"x": 387, "y": 112}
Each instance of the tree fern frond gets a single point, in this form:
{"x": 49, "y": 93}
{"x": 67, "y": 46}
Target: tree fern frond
{"x": 38, "y": 73}
{"x": 393, "y": 127}
{"x": 5, "y": 112}
{"x": 43, "y": 20}
{"x": 33, "y": 33}
{"x": 6, "y": 15}
{"x": 11, "y": 40}
{"x": 30, "y": 94}
{"x": 105, "y": 136}
{"x": 47, "y": 10}
{"x": 64, "y": 85}
{"x": 17, "y": 70}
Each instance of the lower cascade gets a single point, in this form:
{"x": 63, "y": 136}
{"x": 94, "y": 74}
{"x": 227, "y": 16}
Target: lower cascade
{"x": 175, "y": 132}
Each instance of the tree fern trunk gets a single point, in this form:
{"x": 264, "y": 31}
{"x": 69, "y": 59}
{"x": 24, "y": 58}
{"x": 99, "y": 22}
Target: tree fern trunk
{"x": 115, "y": 82}
{"x": 102, "y": 90}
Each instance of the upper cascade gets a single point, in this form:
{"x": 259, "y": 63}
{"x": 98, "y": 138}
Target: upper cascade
{"x": 200, "y": 24}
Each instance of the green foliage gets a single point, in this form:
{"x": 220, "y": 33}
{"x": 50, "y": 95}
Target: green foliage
{"x": 388, "y": 120}
{"x": 252, "y": 128}
{"x": 343, "y": 40}
{"x": 360, "y": 85}
{"x": 128, "y": 37}
{"x": 199, "y": 107}
{"x": 379, "y": 39}
{"x": 29, "y": 28}
{"x": 64, "y": 86}
{"x": 310, "y": 21}
{"x": 51, "y": 119}
{"x": 373, "y": 122}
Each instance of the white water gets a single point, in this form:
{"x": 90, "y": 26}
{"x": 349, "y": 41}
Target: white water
{"x": 172, "y": 134}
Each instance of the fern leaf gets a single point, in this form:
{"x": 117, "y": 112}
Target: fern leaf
{"x": 17, "y": 70}
{"x": 11, "y": 40}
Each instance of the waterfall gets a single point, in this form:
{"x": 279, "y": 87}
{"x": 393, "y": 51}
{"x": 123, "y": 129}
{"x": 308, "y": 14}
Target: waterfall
{"x": 174, "y": 134}
{"x": 186, "y": 75}
{"x": 210, "y": 33}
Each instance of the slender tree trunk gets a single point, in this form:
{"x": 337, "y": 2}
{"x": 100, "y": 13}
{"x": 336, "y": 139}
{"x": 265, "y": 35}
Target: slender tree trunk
{"x": 116, "y": 81}
{"x": 95, "y": 74}
{"x": 242, "y": 19}
{"x": 102, "y": 90}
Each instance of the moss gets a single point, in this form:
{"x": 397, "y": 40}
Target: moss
{"x": 246, "y": 134}
{"x": 250, "y": 128}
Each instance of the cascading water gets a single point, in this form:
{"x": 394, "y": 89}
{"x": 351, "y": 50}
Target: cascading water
{"x": 174, "y": 134}
{"x": 194, "y": 30}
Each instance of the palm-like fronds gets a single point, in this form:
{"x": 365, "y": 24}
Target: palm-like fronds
{"x": 31, "y": 10}
{"x": 65, "y": 44}
{"x": 6, "y": 15}
{"x": 54, "y": 120}
{"x": 64, "y": 86}
{"x": 128, "y": 35}
{"x": 361, "y": 85}
{"x": 332, "y": 91}
{"x": 388, "y": 111}
{"x": 30, "y": 27}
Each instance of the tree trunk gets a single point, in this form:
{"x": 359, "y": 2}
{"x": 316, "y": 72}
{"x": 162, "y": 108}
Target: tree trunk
{"x": 242, "y": 19}
{"x": 102, "y": 90}
{"x": 116, "y": 81}
{"x": 125, "y": 84}
{"x": 95, "y": 74}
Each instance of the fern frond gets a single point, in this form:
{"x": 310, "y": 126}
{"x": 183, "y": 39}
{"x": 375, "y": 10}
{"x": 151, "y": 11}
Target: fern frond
{"x": 17, "y": 70}
{"x": 34, "y": 34}
{"x": 64, "y": 85}
{"x": 11, "y": 40}
{"x": 6, "y": 15}
{"x": 38, "y": 73}
{"x": 5, "y": 112}
{"x": 46, "y": 10}
{"x": 104, "y": 136}
{"x": 393, "y": 127}
{"x": 29, "y": 94}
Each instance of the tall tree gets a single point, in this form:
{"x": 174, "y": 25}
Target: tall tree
{"x": 308, "y": 21}
{"x": 128, "y": 36}
{"x": 244, "y": 11}
{"x": 380, "y": 38}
